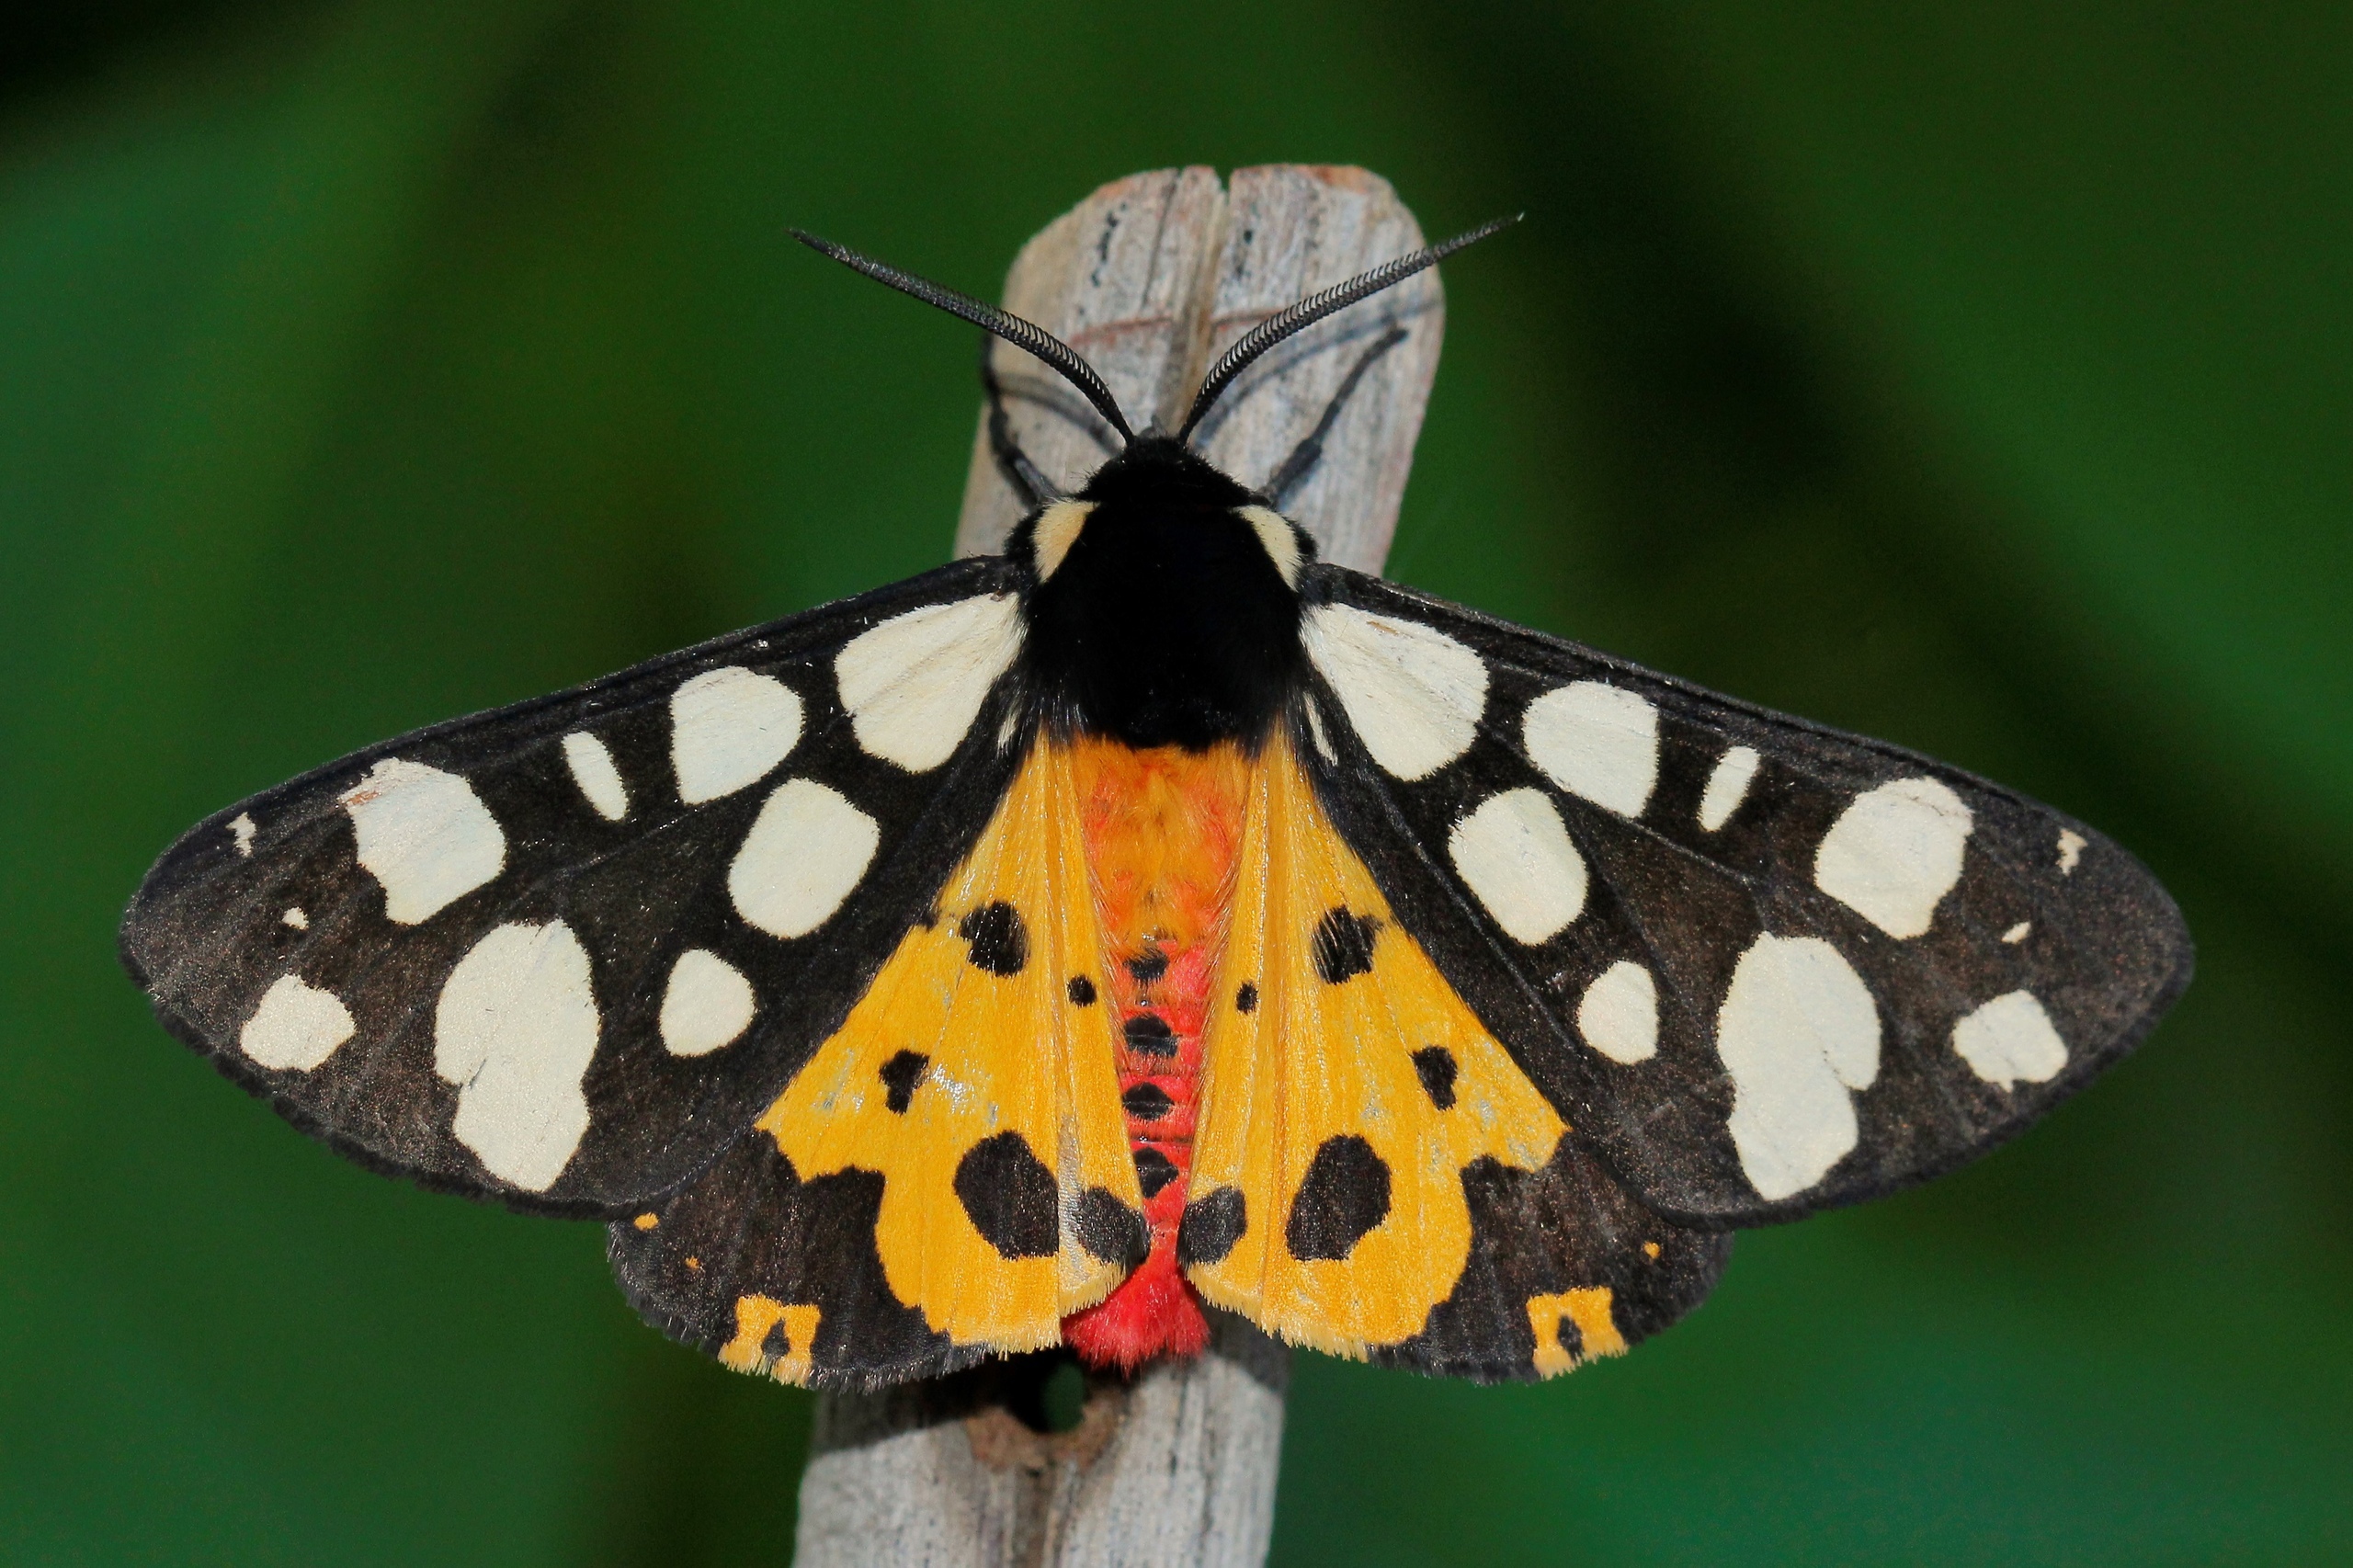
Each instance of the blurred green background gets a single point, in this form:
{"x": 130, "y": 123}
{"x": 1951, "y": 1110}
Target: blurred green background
{"x": 1975, "y": 376}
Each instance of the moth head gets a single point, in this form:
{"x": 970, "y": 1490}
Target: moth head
{"x": 1045, "y": 541}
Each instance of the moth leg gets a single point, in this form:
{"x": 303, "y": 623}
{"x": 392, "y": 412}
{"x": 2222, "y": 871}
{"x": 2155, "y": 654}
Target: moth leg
{"x": 1027, "y": 481}
{"x": 1293, "y": 471}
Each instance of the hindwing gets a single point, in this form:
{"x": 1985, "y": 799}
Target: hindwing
{"x": 562, "y": 953}
{"x": 949, "y": 1175}
{"x": 1374, "y": 1175}
{"x": 1762, "y": 968}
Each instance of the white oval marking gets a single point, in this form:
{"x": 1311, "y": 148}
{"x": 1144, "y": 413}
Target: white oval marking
{"x": 1596, "y": 740}
{"x": 425, "y": 836}
{"x": 729, "y": 727}
{"x": 1513, "y": 852}
{"x": 706, "y": 1005}
{"x": 2018, "y": 933}
{"x": 1727, "y": 787}
{"x": 1619, "y": 1016}
{"x": 593, "y": 770}
{"x": 1413, "y": 694}
{"x": 2010, "y": 1039}
{"x": 2071, "y": 850}
{"x": 297, "y": 1025}
{"x": 806, "y": 851}
{"x": 515, "y": 1028}
{"x": 1323, "y": 742}
{"x": 1798, "y": 1031}
{"x": 241, "y": 829}
{"x": 1895, "y": 853}
{"x": 915, "y": 683}
{"x": 296, "y": 918}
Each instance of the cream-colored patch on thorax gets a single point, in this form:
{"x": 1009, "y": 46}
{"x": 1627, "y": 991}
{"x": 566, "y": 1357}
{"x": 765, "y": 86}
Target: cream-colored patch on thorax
{"x": 1058, "y": 529}
{"x": 1280, "y": 540}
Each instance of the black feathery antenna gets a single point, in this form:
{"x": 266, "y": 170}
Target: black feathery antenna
{"x": 1028, "y": 337}
{"x": 1317, "y": 306}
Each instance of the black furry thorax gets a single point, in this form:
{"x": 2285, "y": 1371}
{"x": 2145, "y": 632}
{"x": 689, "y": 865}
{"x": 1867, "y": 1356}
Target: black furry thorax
{"x": 1167, "y": 622}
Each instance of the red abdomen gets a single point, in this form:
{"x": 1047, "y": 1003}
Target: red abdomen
{"x": 1161, "y": 829}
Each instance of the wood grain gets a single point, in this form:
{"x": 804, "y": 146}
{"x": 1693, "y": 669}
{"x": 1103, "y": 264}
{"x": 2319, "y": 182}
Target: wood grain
{"x": 1149, "y": 278}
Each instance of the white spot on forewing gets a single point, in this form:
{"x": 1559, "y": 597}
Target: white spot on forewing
{"x": 1895, "y": 853}
{"x": 593, "y": 770}
{"x": 296, "y": 918}
{"x": 1619, "y": 1016}
{"x": 1727, "y": 787}
{"x": 241, "y": 830}
{"x": 1797, "y": 1032}
{"x": 2018, "y": 933}
{"x": 1514, "y": 855}
{"x": 805, "y": 852}
{"x": 915, "y": 683}
{"x": 1598, "y": 741}
{"x": 514, "y": 1030}
{"x": 297, "y": 1025}
{"x": 2010, "y": 1039}
{"x": 706, "y": 1005}
{"x": 2071, "y": 850}
{"x": 1315, "y": 734}
{"x": 425, "y": 835}
{"x": 1413, "y": 694}
{"x": 729, "y": 727}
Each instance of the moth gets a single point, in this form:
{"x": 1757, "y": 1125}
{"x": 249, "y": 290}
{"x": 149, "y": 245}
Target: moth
{"x": 1153, "y": 917}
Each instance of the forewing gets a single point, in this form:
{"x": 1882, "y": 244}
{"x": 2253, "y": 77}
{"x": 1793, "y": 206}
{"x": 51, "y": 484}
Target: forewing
{"x": 949, "y": 1174}
{"x": 561, "y": 953}
{"x": 1373, "y": 1175}
{"x": 1762, "y": 967}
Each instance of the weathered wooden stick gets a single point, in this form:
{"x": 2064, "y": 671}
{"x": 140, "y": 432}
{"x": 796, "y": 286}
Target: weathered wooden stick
{"x": 1149, "y": 278}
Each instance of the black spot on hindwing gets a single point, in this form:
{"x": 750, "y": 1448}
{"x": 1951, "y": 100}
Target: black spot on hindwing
{"x": 1081, "y": 991}
{"x": 1343, "y": 944}
{"x": 1000, "y": 938}
{"x": 1434, "y": 1064}
{"x": 1210, "y": 1227}
{"x": 1344, "y": 1195}
{"x": 1009, "y": 1196}
{"x": 1109, "y": 1229}
{"x": 1246, "y": 999}
{"x": 899, "y": 1077}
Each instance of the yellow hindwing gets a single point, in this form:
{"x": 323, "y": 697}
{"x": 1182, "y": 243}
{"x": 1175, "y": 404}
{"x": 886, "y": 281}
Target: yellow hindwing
{"x": 1345, "y": 1089}
{"x": 981, "y": 1090}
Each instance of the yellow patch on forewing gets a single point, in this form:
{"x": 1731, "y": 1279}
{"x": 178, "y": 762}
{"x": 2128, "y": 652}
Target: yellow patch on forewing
{"x": 1588, "y": 1312}
{"x": 1006, "y": 1053}
{"x": 1315, "y": 1059}
{"x": 755, "y": 1318}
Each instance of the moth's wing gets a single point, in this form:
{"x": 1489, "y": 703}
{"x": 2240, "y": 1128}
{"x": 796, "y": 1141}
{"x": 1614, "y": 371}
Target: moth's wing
{"x": 1764, "y": 966}
{"x": 1373, "y": 1176}
{"x": 949, "y": 1174}
{"x": 561, "y": 953}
